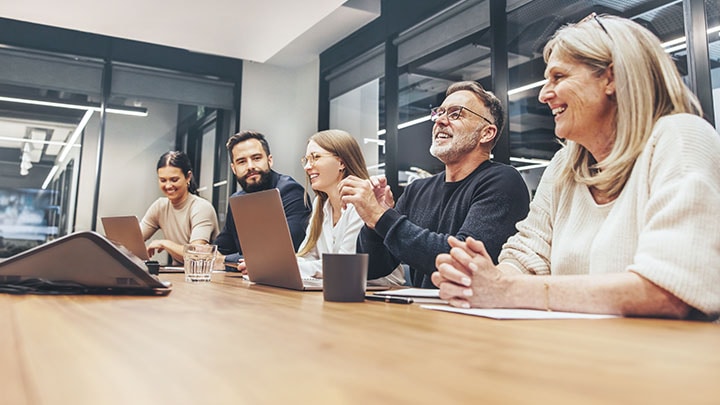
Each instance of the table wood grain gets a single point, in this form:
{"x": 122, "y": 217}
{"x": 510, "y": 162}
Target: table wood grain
{"x": 230, "y": 342}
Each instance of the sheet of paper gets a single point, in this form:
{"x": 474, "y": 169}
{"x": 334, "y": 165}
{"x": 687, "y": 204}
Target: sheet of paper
{"x": 502, "y": 313}
{"x": 412, "y": 292}
{"x": 419, "y": 295}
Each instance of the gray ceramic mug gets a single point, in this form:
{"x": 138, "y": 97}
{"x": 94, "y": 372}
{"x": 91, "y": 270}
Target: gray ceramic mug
{"x": 344, "y": 276}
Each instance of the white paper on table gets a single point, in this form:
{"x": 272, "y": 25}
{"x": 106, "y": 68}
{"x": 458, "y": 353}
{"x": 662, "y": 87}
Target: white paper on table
{"x": 411, "y": 292}
{"x": 504, "y": 313}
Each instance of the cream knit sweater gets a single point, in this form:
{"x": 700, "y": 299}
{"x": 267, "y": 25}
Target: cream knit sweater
{"x": 665, "y": 225}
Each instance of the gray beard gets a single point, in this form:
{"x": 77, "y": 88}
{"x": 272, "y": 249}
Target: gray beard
{"x": 455, "y": 150}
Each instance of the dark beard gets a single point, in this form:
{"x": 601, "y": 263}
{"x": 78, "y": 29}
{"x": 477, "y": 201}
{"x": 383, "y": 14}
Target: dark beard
{"x": 263, "y": 184}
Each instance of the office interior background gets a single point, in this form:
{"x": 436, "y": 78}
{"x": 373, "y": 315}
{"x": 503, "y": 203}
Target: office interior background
{"x": 90, "y": 97}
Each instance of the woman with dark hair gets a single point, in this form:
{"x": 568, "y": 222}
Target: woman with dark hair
{"x": 183, "y": 216}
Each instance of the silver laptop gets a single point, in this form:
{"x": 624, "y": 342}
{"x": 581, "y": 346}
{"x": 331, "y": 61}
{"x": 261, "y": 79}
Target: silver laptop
{"x": 82, "y": 262}
{"x": 125, "y": 231}
{"x": 266, "y": 242}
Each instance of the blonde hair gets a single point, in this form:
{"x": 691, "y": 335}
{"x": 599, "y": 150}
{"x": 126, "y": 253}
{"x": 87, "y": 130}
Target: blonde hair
{"x": 647, "y": 87}
{"x": 346, "y": 148}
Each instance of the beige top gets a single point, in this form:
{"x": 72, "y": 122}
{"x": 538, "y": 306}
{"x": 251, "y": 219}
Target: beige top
{"x": 195, "y": 219}
{"x": 664, "y": 225}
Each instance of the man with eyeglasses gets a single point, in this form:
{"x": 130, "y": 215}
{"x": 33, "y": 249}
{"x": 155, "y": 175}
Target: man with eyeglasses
{"x": 251, "y": 162}
{"x": 474, "y": 196}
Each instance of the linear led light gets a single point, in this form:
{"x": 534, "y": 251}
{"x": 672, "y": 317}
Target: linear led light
{"x": 125, "y": 110}
{"x": 527, "y": 87}
{"x": 529, "y": 160}
{"x": 532, "y": 163}
{"x": 33, "y": 141}
{"x": 50, "y": 176}
{"x": 380, "y": 142}
{"x": 681, "y": 43}
{"x": 74, "y": 136}
{"x": 66, "y": 149}
{"x": 407, "y": 124}
{"x": 670, "y": 47}
{"x": 413, "y": 122}
{"x": 530, "y": 167}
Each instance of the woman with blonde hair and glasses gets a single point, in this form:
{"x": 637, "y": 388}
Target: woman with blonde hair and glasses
{"x": 624, "y": 220}
{"x": 331, "y": 156}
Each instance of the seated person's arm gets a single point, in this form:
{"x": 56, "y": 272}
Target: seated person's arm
{"x": 468, "y": 278}
{"x": 231, "y": 262}
{"x": 673, "y": 271}
{"x": 227, "y": 241}
{"x": 491, "y": 217}
{"x": 229, "y": 251}
{"x": 174, "y": 249}
{"x": 203, "y": 223}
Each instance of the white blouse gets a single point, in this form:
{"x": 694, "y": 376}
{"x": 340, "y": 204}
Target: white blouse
{"x": 340, "y": 238}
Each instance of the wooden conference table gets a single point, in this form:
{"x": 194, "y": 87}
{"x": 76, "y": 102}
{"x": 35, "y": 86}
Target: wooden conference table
{"x": 230, "y": 342}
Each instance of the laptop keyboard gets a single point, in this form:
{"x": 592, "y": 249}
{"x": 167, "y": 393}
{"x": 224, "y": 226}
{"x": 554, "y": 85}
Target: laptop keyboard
{"x": 312, "y": 282}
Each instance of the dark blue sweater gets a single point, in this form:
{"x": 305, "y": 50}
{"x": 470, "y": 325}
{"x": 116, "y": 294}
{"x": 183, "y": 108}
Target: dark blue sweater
{"x": 485, "y": 205}
{"x": 297, "y": 213}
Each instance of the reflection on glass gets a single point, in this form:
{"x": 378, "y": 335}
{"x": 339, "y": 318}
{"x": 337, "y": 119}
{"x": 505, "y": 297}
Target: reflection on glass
{"x": 713, "y": 14}
{"x": 25, "y": 217}
{"x": 207, "y": 164}
{"x": 358, "y": 112}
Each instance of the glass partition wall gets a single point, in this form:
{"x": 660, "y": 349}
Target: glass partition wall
{"x": 712, "y": 11}
{"x": 456, "y": 44}
{"x": 64, "y": 164}
{"x": 46, "y": 102}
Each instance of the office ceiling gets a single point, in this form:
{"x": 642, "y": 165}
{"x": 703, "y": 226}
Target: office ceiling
{"x": 251, "y": 30}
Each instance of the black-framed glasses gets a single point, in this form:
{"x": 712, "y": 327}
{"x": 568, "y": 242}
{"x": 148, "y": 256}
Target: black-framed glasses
{"x": 312, "y": 158}
{"x": 453, "y": 113}
{"x": 594, "y": 16}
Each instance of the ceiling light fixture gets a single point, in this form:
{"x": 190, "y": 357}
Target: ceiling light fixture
{"x": 115, "y": 109}
{"x": 407, "y": 124}
{"x": 526, "y": 87}
{"x": 68, "y": 146}
{"x": 34, "y": 141}
{"x": 73, "y": 138}
{"x": 532, "y": 163}
{"x": 679, "y": 44}
{"x": 25, "y": 160}
{"x": 25, "y": 164}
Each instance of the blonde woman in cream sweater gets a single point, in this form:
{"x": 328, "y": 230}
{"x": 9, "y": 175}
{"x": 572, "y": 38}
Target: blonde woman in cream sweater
{"x": 625, "y": 219}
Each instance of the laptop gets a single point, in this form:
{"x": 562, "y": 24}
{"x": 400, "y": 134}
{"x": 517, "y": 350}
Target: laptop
{"x": 266, "y": 242}
{"x": 125, "y": 231}
{"x": 82, "y": 262}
